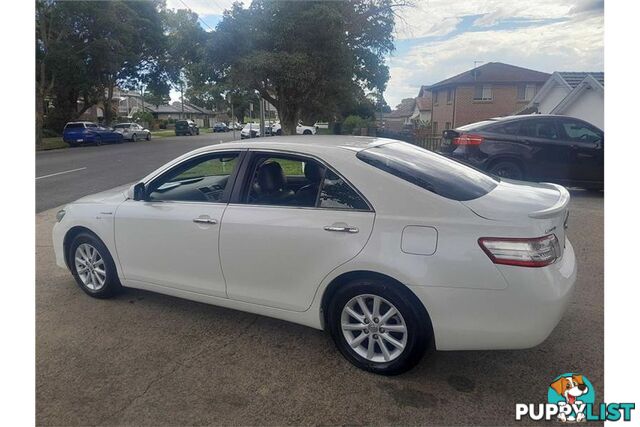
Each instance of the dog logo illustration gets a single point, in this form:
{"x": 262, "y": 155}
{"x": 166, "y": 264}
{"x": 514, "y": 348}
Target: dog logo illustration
{"x": 573, "y": 390}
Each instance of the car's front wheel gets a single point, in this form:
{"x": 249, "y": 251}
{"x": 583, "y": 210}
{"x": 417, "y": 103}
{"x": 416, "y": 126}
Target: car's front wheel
{"x": 148, "y": 136}
{"x": 92, "y": 266}
{"x": 134, "y": 138}
{"x": 378, "y": 326}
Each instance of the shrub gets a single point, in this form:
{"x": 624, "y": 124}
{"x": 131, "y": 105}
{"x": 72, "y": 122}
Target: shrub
{"x": 352, "y": 124}
{"x": 49, "y": 133}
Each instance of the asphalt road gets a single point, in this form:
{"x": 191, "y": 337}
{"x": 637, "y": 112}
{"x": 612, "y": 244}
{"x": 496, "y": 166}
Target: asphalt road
{"x": 149, "y": 359}
{"x": 68, "y": 174}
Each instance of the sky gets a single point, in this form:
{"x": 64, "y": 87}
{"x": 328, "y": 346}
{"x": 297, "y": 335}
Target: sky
{"x": 437, "y": 39}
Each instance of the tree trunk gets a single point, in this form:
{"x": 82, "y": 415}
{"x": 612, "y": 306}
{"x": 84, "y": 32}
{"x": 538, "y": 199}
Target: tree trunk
{"x": 108, "y": 111}
{"x": 288, "y": 118}
{"x": 39, "y": 115}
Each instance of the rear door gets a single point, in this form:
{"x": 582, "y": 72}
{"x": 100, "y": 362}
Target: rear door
{"x": 586, "y": 155}
{"x": 549, "y": 154}
{"x": 279, "y": 239}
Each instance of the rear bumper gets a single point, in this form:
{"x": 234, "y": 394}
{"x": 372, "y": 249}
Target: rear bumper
{"x": 520, "y": 316}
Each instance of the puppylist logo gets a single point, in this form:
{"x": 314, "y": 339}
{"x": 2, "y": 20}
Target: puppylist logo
{"x": 571, "y": 398}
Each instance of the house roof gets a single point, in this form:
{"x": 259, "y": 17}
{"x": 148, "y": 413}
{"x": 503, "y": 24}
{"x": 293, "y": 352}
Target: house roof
{"x": 424, "y": 91}
{"x": 405, "y": 109}
{"x": 573, "y": 78}
{"x": 494, "y": 72}
{"x": 424, "y": 102}
{"x": 176, "y": 107}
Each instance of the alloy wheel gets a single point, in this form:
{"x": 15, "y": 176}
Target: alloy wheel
{"x": 374, "y": 328}
{"x": 90, "y": 267}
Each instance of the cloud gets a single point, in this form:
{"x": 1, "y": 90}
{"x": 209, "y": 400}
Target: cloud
{"x": 571, "y": 45}
{"x": 202, "y": 7}
{"x": 440, "y": 17}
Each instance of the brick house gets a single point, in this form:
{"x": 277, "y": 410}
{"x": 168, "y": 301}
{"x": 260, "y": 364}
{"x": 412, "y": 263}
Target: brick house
{"x": 490, "y": 90}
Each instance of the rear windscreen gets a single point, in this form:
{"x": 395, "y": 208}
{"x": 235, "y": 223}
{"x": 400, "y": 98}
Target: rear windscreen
{"x": 74, "y": 126}
{"x": 429, "y": 170}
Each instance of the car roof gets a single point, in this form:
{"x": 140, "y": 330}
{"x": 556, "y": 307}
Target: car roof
{"x": 303, "y": 143}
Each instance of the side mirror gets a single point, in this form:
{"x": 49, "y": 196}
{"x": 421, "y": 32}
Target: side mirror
{"x": 139, "y": 191}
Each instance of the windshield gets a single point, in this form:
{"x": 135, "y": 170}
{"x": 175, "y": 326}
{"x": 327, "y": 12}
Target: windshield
{"x": 429, "y": 170}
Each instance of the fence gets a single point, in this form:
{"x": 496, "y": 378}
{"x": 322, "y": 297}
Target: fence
{"x": 421, "y": 138}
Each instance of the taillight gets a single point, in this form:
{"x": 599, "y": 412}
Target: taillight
{"x": 534, "y": 252}
{"x": 468, "y": 139}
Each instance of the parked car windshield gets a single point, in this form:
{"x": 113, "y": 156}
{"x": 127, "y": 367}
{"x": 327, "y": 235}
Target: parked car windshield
{"x": 429, "y": 170}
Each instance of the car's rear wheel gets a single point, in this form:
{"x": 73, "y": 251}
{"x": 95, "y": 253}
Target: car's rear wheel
{"x": 98, "y": 140}
{"x": 279, "y": 132}
{"x": 378, "y": 326}
{"x": 92, "y": 266}
{"x": 148, "y": 136}
{"x": 134, "y": 138}
{"x": 507, "y": 169}
{"x": 307, "y": 132}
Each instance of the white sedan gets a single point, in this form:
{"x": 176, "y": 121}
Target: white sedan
{"x": 300, "y": 129}
{"x": 132, "y": 131}
{"x": 391, "y": 248}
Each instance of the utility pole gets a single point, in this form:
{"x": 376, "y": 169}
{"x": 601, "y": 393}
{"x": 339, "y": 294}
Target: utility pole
{"x": 181, "y": 100}
{"x": 233, "y": 118}
{"x": 262, "y": 117}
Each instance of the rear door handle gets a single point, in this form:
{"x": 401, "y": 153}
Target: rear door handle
{"x": 205, "y": 220}
{"x": 341, "y": 228}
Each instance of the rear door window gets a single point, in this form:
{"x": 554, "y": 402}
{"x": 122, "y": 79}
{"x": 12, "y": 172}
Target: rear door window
{"x": 545, "y": 129}
{"x": 508, "y": 128}
{"x": 429, "y": 171}
{"x": 337, "y": 194}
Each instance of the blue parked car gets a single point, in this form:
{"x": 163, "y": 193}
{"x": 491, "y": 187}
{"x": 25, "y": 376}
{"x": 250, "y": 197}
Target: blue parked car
{"x": 83, "y": 133}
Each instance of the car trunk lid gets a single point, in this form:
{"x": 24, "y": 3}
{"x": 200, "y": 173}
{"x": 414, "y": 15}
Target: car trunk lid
{"x": 544, "y": 204}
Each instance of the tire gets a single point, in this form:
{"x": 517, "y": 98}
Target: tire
{"x": 134, "y": 138}
{"x": 93, "y": 283}
{"x": 415, "y": 340}
{"x": 198, "y": 132}
{"x": 98, "y": 141}
{"x": 148, "y": 136}
{"x": 507, "y": 169}
{"x": 307, "y": 132}
{"x": 279, "y": 132}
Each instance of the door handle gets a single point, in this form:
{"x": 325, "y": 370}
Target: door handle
{"x": 204, "y": 220}
{"x": 341, "y": 228}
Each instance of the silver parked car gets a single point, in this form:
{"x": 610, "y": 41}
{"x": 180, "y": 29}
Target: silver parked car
{"x": 132, "y": 131}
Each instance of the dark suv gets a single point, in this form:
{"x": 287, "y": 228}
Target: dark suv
{"x": 186, "y": 127}
{"x": 533, "y": 147}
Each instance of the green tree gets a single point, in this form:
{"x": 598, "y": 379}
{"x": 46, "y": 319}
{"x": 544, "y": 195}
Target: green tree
{"x": 305, "y": 57}
{"x": 85, "y": 48}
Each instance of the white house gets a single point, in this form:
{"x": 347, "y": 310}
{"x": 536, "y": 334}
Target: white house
{"x": 576, "y": 94}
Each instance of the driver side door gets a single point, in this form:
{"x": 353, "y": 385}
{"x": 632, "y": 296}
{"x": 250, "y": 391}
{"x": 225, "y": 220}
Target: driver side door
{"x": 170, "y": 239}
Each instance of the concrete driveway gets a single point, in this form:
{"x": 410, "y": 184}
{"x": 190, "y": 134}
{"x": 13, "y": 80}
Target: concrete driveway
{"x": 148, "y": 359}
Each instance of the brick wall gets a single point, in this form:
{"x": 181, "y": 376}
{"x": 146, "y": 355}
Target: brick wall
{"x": 504, "y": 103}
{"x": 442, "y": 110}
